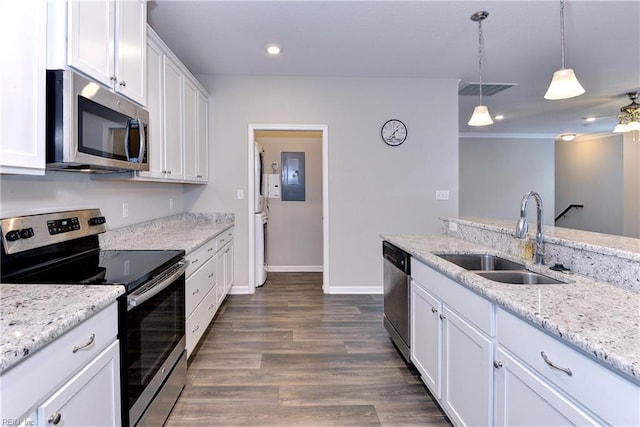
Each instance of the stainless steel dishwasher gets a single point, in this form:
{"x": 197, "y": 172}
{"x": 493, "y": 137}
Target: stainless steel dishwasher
{"x": 397, "y": 269}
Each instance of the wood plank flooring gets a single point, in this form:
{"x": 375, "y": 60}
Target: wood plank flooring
{"x": 291, "y": 356}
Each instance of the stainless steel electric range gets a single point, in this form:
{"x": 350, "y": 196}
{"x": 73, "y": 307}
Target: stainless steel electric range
{"x": 63, "y": 248}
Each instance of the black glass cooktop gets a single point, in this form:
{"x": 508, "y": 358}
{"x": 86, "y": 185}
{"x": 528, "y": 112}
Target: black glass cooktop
{"x": 130, "y": 268}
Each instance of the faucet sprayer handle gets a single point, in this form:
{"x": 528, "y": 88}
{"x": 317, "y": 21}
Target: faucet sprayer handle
{"x": 522, "y": 228}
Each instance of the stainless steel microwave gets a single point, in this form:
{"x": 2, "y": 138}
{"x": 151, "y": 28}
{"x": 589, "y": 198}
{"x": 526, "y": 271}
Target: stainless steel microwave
{"x": 92, "y": 129}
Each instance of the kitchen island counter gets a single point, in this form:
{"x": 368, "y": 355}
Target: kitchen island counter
{"x": 599, "y": 318}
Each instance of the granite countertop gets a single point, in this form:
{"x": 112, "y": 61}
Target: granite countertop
{"x": 186, "y": 231}
{"x": 596, "y": 317}
{"x": 31, "y": 316}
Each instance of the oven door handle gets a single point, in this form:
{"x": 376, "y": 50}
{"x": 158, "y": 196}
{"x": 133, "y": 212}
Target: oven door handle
{"x": 153, "y": 288}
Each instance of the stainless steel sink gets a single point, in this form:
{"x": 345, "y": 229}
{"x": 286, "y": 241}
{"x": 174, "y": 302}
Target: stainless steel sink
{"x": 481, "y": 262}
{"x": 522, "y": 277}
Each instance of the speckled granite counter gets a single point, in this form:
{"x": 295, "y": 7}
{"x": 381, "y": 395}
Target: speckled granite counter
{"x": 31, "y": 316}
{"x": 183, "y": 231}
{"x": 596, "y": 317}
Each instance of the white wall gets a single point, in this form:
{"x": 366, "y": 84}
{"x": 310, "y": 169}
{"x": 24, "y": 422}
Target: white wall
{"x": 373, "y": 188}
{"x": 294, "y": 229}
{"x": 70, "y": 190}
{"x": 589, "y": 172}
{"x": 496, "y": 172}
{"x": 631, "y": 153}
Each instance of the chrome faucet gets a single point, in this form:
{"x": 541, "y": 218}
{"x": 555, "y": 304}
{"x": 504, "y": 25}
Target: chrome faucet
{"x": 522, "y": 227}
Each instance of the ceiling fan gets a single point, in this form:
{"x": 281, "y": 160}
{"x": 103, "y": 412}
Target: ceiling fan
{"x": 628, "y": 117}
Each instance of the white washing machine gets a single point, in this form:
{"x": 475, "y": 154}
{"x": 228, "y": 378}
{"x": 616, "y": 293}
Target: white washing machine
{"x": 261, "y": 219}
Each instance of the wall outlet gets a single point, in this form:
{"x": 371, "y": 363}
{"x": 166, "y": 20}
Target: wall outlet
{"x": 453, "y": 226}
{"x": 442, "y": 194}
{"x": 240, "y": 194}
{"x": 125, "y": 210}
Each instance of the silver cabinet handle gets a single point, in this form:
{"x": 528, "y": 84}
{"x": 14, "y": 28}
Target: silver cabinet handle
{"x": 553, "y": 365}
{"x": 196, "y": 328}
{"x": 113, "y": 78}
{"x": 196, "y": 291}
{"x": 434, "y": 310}
{"x": 442, "y": 317}
{"x": 55, "y": 418}
{"x": 497, "y": 364}
{"x": 92, "y": 338}
{"x": 123, "y": 83}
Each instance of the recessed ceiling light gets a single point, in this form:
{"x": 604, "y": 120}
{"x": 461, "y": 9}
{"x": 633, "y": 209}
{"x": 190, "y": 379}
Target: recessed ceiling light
{"x": 273, "y": 49}
{"x": 499, "y": 116}
{"x": 589, "y": 119}
{"x": 568, "y": 136}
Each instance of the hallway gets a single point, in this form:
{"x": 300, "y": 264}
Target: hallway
{"x": 290, "y": 355}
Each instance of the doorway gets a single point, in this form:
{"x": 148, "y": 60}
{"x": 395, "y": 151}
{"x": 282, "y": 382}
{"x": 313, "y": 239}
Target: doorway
{"x": 273, "y": 166}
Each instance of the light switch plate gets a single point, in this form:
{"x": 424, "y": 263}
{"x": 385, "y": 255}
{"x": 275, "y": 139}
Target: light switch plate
{"x": 442, "y": 194}
{"x": 240, "y": 194}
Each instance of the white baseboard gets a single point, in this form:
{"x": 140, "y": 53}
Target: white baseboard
{"x": 355, "y": 290}
{"x": 239, "y": 290}
{"x": 295, "y": 268}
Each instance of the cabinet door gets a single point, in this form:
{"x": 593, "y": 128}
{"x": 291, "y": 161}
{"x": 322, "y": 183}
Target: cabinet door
{"x": 22, "y": 121}
{"x": 202, "y": 170}
{"x": 467, "y": 372}
{"x": 523, "y": 398}
{"x": 426, "y": 337}
{"x": 190, "y": 129}
{"x": 172, "y": 112}
{"x": 228, "y": 267}
{"x": 131, "y": 48}
{"x": 154, "y": 98}
{"x": 219, "y": 259}
{"x": 91, "y": 397}
{"x": 91, "y": 37}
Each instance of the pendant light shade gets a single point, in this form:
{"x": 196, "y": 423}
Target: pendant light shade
{"x": 480, "y": 116}
{"x": 564, "y": 83}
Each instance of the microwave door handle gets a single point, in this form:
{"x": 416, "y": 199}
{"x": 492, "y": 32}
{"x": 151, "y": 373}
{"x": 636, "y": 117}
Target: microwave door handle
{"x": 142, "y": 140}
{"x": 126, "y": 139}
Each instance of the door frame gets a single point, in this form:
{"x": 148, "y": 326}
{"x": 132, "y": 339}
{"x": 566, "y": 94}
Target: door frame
{"x": 324, "y": 129}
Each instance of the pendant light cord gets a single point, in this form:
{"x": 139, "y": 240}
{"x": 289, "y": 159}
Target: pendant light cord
{"x": 480, "y": 54}
{"x": 562, "y": 33}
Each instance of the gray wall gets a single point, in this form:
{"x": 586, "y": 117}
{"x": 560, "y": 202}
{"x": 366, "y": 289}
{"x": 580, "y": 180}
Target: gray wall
{"x": 590, "y": 172}
{"x": 631, "y": 152}
{"x": 373, "y": 188}
{"x": 496, "y": 172}
{"x": 69, "y": 190}
{"x": 294, "y": 229}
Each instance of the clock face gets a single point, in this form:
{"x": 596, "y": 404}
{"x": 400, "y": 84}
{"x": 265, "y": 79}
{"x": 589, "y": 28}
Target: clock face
{"x": 394, "y": 132}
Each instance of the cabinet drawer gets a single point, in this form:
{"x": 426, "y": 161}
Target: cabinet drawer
{"x": 198, "y": 285}
{"x": 605, "y": 393}
{"x": 470, "y": 305}
{"x": 224, "y": 238}
{"x": 28, "y": 382}
{"x": 199, "y": 320}
{"x": 200, "y": 256}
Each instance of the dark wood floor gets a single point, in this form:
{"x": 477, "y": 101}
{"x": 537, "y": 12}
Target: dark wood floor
{"x": 291, "y": 356}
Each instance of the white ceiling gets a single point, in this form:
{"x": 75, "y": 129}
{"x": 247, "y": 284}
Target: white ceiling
{"x": 427, "y": 39}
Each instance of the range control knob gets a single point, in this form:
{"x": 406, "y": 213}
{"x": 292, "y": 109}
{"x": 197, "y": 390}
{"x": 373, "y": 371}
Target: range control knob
{"x": 26, "y": 233}
{"x": 12, "y": 236}
{"x": 97, "y": 220}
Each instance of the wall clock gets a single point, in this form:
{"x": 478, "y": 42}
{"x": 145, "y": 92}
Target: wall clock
{"x": 394, "y": 132}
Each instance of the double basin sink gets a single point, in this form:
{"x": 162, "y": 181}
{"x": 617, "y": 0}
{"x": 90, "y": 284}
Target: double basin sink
{"x": 498, "y": 269}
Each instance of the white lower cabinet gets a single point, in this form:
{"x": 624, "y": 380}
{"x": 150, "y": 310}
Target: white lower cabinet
{"x": 453, "y": 355}
{"x": 486, "y": 366}
{"x": 88, "y": 398}
{"x": 207, "y": 285}
{"x": 72, "y": 381}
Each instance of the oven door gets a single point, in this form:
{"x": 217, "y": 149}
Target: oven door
{"x": 154, "y": 326}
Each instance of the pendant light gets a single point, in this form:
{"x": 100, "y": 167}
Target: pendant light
{"x": 564, "y": 83}
{"x": 480, "y": 115}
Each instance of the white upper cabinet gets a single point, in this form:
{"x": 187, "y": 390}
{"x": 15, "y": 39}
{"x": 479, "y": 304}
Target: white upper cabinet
{"x": 105, "y": 39}
{"x": 22, "y": 87}
{"x": 190, "y": 117}
{"x": 202, "y": 174}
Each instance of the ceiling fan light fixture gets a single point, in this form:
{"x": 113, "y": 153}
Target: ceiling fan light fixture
{"x": 633, "y": 126}
{"x": 621, "y": 127}
{"x": 564, "y": 83}
{"x": 480, "y": 116}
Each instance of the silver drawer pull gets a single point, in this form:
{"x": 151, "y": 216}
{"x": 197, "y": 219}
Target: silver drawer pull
{"x": 553, "y": 365}
{"x": 92, "y": 338}
{"x": 196, "y": 328}
{"x": 196, "y": 291}
{"x": 442, "y": 317}
{"x": 497, "y": 364}
{"x": 434, "y": 310}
